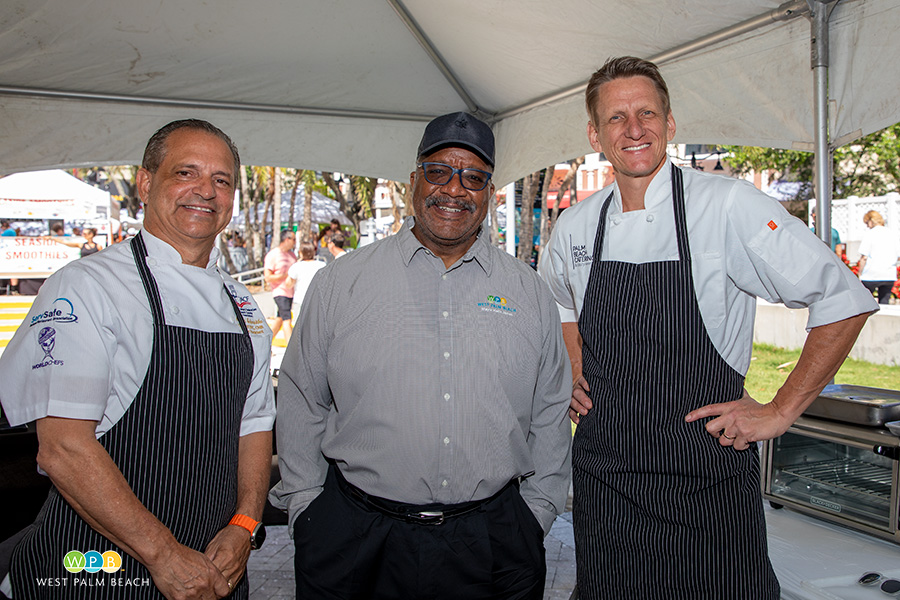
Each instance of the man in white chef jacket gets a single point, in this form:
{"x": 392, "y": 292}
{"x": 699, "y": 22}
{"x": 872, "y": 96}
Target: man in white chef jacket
{"x": 656, "y": 277}
{"x": 146, "y": 369}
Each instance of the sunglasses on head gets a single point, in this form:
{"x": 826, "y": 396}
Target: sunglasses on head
{"x": 891, "y": 587}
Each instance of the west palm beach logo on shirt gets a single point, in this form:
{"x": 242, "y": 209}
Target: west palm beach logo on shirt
{"x": 497, "y": 303}
{"x": 47, "y": 341}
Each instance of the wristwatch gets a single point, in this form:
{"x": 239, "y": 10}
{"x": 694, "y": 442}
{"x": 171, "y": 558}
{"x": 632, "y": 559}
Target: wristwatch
{"x": 257, "y": 530}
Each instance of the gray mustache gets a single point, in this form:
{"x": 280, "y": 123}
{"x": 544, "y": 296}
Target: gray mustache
{"x": 432, "y": 200}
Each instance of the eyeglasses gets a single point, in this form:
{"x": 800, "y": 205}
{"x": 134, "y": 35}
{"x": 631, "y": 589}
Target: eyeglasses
{"x": 891, "y": 587}
{"x": 441, "y": 174}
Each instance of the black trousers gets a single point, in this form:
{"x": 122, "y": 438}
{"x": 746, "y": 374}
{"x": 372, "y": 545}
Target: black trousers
{"x": 345, "y": 550}
{"x": 882, "y": 287}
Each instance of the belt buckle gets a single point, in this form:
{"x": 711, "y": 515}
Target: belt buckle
{"x": 428, "y": 517}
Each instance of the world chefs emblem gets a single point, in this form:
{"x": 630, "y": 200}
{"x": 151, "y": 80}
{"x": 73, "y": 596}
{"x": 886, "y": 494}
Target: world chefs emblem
{"x": 47, "y": 342}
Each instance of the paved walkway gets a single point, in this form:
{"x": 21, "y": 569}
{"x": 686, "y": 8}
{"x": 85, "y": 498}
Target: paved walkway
{"x": 271, "y": 568}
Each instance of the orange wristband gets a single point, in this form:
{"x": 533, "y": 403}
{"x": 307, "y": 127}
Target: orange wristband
{"x": 245, "y": 522}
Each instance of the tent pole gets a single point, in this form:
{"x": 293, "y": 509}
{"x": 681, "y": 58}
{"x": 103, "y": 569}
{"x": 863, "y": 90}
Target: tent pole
{"x": 820, "y": 12}
{"x": 511, "y": 218}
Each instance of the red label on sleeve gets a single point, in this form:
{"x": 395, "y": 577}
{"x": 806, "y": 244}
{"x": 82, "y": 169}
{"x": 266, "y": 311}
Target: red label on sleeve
{"x": 772, "y": 225}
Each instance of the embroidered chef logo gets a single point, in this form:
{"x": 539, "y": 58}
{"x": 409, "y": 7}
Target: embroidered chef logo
{"x": 47, "y": 341}
{"x": 497, "y": 304}
{"x": 244, "y": 304}
{"x": 61, "y": 311}
{"x": 254, "y": 326}
{"x": 580, "y": 256}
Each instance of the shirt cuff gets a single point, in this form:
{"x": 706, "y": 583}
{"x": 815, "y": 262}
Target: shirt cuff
{"x": 292, "y": 503}
{"x": 566, "y": 315}
{"x": 544, "y": 516}
{"x": 258, "y": 423}
{"x": 855, "y": 301}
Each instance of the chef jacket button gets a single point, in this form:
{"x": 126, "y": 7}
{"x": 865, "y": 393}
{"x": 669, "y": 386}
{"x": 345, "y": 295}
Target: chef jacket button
{"x": 649, "y": 218}
{"x": 176, "y": 310}
{"x": 445, "y": 483}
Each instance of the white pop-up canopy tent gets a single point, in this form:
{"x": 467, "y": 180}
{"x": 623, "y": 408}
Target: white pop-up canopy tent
{"x": 348, "y": 85}
{"x": 51, "y": 194}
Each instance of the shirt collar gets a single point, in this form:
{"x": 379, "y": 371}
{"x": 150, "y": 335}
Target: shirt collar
{"x": 409, "y": 244}
{"x": 167, "y": 254}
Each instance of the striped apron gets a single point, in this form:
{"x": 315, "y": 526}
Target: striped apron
{"x": 661, "y": 510}
{"x": 176, "y": 445}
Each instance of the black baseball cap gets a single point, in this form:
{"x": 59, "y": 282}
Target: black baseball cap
{"x": 461, "y": 130}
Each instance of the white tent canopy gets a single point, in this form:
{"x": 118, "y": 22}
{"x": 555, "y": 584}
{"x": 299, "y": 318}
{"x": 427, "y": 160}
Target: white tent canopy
{"x": 51, "y": 195}
{"x": 348, "y": 85}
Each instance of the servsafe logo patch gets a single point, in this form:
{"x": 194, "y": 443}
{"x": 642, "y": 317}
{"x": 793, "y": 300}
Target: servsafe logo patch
{"x": 92, "y": 561}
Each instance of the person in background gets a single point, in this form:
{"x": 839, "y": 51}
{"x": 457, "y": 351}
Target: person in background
{"x": 336, "y": 244}
{"x": 238, "y": 253}
{"x": 836, "y": 246}
{"x": 5, "y": 229}
{"x": 879, "y": 252}
{"x": 275, "y": 270}
{"x": 426, "y": 457}
{"x": 152, "y": 396}
{"x": 656, "y": 277}
{"x": 301, "y": 273}
{"x": 88, "y": 247}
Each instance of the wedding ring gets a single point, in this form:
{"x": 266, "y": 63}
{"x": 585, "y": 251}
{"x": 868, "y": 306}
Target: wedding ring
{"x": 726, "y": 436}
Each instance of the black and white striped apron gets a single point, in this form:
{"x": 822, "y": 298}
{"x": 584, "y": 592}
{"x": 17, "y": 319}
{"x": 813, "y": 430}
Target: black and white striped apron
{"x": 661, "y": 510}
{"x": 176, "y": 445}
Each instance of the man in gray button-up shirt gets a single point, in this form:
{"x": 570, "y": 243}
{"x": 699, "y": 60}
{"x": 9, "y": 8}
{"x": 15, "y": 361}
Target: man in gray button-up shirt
{"x": 422, "y": 433}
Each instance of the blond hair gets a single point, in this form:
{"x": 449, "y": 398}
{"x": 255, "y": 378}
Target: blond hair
{"x": 873, "y": 216}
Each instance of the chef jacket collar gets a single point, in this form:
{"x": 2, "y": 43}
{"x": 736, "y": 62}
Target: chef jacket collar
{"x": 657, "y": 193}
{"x": 167, "y": 254}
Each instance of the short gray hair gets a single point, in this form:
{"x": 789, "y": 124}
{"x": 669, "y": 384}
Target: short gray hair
{"x": 155, "y": 152}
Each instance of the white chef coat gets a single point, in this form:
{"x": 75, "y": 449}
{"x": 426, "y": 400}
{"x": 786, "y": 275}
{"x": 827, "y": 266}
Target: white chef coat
{"x": 881, "y": 249}
{"x": 94, "y": 319}
{"x": 743, "y": 245}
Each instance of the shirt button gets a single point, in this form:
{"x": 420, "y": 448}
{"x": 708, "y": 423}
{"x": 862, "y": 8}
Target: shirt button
{"x": 446, "y": 355}
{"x": 615, "y": 221}
{"x": 446, "y": 441}
{"x": 444, "y": 276}
{"x": 446, "y": 314}
{"x": 445, "y": 483}
{"x": 175, "y": 310}
{"x": 649, "y": 218}
{"x": 446, "y": 396}
{"x": 151, "y": 262}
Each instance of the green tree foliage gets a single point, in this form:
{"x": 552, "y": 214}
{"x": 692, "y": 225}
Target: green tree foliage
{"x": 869, "y": 166}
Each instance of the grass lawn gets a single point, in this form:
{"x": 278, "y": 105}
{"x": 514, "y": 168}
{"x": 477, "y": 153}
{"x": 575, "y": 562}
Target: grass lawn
{"x": 770, "y": 366}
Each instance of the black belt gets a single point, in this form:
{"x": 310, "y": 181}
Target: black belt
{"x": 429, "y": 514}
